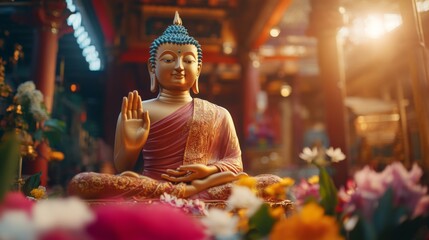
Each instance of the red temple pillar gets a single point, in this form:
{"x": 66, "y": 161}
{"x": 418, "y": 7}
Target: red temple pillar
{"x": 51, "y": 24}
{"x": 50, "y": 19}
{"x": 325, "y": 21}
{"x": 251, "y": 88}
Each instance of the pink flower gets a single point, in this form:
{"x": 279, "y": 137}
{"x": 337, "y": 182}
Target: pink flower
{"x": 371, "y": 186}
{"x": 422, "y": 208}
{"x": 370, "y": 183}
{"x": 16, "y": 201}
{"x": 305, "y": 190}
{"x": 155, "y": 221}
{"x": 405, "y": 184}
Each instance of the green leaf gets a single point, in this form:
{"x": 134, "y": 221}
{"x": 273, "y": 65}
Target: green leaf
{"x": 327, "y": 191}
{"x": 260, "y": 224}
{"x": 31, "y": 183}
{"x": 384, "y": 213}
{"x": 363, "y": 230}
{"x": 55, "y": 125}
{"x": 53, "y": 130}
{"x": 9, "y": 152}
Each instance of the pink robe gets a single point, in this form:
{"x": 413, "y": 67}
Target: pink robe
{"x": 199, "y": 132}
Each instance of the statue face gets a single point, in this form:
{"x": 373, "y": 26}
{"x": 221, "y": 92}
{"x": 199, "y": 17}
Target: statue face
{"x": 177, "y": 67}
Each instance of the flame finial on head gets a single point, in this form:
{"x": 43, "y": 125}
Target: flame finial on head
{"x": 177, "y": 20}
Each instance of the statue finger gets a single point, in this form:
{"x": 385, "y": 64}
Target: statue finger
{"x": 140, "y": 108}
{"x": 124, "y": 108}
{"x": 176, "y": 179}
{"x": 135, "y": 100}
{"x": 169, "y": 178}
{"x": 190, "y": 167}
{"x": 146, "y": 120}
{"x": 176, "y": 173}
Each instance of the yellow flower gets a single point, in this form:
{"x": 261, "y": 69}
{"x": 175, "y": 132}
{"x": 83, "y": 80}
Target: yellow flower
{"x": 243, "y": 220}
{"x": 314, "y": 179}
{"x": 277, "y": 212}
{"x": 278, "y": 190}
{"x": 310, "y": 223}
{"x": 247, "y": 181}
{"x": 56, "y": 156}
{"x": 287, "y": 182}
{"x": 38, "y": 193}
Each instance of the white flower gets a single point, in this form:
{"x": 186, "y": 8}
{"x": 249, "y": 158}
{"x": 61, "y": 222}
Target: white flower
{"x": 36, "y": 97}
{"x": 25, "y": 88}
{"x": 39, "y": 114}
{"x": 16, "y": 224}
{"x": 335, "y": 154}
{"x": 70, "y": 213}
{"x": 243, "y": 197}
{"x": 166, "y": 198}
{"x": 350, "y": 223}
{"x": 220, "y": 223}
{"x": 308, "y": 154}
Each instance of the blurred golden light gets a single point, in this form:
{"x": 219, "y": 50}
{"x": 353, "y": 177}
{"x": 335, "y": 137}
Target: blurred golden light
{"x": 256, "y": 64}
{"x": 372, "y": 26}
{"x": 274, "y": 32}
{"x": 286, "y": 90}
{"x": 422, "y": 5}
{"x": 227, "y": 48}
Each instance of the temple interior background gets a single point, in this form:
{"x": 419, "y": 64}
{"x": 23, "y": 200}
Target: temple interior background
{"x": 351, "y": 74}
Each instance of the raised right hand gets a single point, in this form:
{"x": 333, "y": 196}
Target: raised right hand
{"x": 135, "y": 122}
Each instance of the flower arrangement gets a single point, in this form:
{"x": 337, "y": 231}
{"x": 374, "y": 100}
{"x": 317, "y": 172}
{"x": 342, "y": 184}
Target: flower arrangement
{"x": 24, "y": 120}
{"x": 374, "y": 205}
{"x": 26, "y": 114}
{"x": 72, "y": 218}
{"x": 386, "y": 205}
{"x": 191, "y": 206}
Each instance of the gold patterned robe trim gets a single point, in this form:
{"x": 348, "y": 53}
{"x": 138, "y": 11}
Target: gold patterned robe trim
{"x": 212, "y": 138}
{"x": 91, "y": 185}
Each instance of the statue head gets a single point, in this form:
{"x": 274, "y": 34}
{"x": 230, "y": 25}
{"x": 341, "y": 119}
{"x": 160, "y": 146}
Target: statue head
{"x": 175, "y": 34}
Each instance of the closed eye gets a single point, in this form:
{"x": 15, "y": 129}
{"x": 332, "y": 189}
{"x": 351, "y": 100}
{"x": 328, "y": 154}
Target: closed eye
{"x": 168, "y": 60}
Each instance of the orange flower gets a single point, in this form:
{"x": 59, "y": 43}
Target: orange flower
{"x": 310, "y": 223}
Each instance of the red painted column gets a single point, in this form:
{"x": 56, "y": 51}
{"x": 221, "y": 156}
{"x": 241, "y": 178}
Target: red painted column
{"x": 325, "y": 21}
{"x": 50, "y": 19}
{"x": 251, "y": 87}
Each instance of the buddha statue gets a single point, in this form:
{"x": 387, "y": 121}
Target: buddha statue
{"x": 189, "y": 145}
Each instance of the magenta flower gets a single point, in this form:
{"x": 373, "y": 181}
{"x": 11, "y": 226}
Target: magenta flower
{"x": 305, "y": 191}
{"x": 16, "y": 201}
{"x": 155, "y": 221}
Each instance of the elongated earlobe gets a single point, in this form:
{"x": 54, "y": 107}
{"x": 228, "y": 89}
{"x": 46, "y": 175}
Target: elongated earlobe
{"x": 153, "y": 80}
{"x": 195, "y": 88}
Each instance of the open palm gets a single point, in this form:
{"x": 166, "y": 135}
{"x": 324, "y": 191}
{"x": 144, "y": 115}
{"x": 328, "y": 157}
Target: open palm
{"x": 135, "y": 122}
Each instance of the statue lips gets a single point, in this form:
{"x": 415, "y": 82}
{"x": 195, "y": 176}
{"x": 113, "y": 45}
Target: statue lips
{"x": 179, "y": 76}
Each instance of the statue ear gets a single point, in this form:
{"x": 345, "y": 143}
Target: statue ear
{"x": 153, "y": 81}
{"x": 195, "y": 88}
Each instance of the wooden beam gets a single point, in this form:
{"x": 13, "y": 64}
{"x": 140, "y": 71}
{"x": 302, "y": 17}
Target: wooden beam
{"x": 102, "y": 13}
{"x": 270, "y": 16}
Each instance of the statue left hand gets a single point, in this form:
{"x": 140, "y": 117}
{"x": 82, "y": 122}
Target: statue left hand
{"x": 188, "y": 173}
